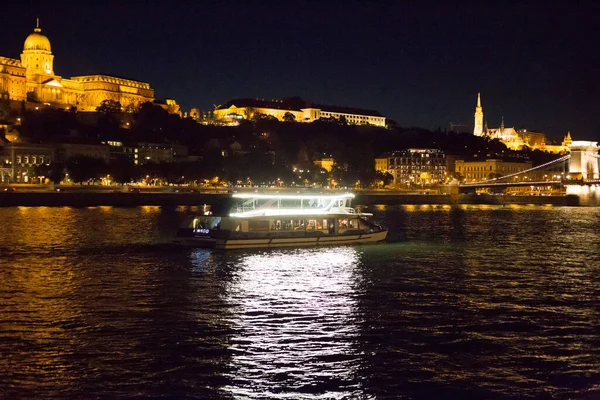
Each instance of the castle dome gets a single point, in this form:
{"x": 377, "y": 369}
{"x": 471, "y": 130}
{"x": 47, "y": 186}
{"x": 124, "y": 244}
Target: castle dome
{"x": 37, "y": 41}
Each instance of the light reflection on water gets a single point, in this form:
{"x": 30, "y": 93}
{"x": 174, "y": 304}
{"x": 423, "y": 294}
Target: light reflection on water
{"x": 469, "y": 301}
{"x": 293, "y": 313}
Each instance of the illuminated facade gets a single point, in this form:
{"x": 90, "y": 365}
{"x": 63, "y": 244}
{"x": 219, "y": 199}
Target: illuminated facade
{"x": 382, "y": 164}
{"x": 296, "y": 109}
{"x": 562, "y": 148}
{"x": 325, "y": 163}
{"x": 477, "y": 171}
{"x": 33, "y": 78}
{"x": 414, "y": 166}
{"x": 13, "y": 80}
{"x": 18, "y": 161}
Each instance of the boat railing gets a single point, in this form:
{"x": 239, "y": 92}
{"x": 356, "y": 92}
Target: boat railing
{"x": 343, "y": 210}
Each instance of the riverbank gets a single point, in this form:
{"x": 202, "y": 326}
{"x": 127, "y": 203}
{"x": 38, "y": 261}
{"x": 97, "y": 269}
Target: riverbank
{"x": 220, "y": 201}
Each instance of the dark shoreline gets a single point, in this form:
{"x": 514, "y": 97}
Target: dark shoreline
{"x": 221, "y": 201}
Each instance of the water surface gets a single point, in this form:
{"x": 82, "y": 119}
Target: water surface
{"x": 473, "y": 301}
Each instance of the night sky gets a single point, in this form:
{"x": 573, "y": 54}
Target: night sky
{"x": 418, "y": 63}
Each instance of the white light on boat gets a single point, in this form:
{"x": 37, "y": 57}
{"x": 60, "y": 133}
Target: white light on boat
{"x": 292, "y": 196}
{"x": 280, "y": 211}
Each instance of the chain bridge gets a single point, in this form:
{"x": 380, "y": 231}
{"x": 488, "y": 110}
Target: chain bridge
{"x": 577, "y": 173}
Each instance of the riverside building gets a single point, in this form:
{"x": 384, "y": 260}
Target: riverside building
{"x": 478, "y": 171}
{"x": 414, "y": 166}
{"x": 32, "y": 78}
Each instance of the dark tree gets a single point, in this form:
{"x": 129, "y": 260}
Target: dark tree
{"x": 124, "y": 171}
{"x": 109, "y": 107}
{"x": 289, "y": 117}
{"x": 108, "y": 120}
{"x": 83, "y": 169}
{"x": 55, "y": 172}
{"x": 384, "y": 177}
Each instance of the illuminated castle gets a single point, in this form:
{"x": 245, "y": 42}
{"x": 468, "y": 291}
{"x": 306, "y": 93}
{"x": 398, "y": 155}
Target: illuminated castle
{"x": 33, "y": 79}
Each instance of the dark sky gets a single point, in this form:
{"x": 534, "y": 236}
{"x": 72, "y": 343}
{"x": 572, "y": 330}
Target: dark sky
{"x": 420, "y": 63}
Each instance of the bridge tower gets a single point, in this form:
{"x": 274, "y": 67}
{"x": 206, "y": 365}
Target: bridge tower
{"x": 585, "y": 159}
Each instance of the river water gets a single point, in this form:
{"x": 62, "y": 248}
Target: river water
{"x": 463, "y": 302}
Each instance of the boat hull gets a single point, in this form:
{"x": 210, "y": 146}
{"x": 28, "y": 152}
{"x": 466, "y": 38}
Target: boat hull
{"x": 273, "y": 242}
{"x": 201, "y": 242}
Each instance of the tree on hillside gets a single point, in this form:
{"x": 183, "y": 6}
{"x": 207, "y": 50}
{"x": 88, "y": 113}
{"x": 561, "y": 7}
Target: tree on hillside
{"x": 302, "y": 157}
{"x": 289, "y": 117}
{"x": 33, "y": 97}
{"x": 132, "y": 108}
{"x": 5, "y": 111}
{"x": 249, "y": 113}
{"x": 108, "y": 121}
{"x": 109, "y": 106}
{"x": 152, "y": 123}
{"x": 47, "y": 124}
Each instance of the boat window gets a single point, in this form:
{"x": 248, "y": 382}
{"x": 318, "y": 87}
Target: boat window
{"x": 258, "y": 225}
{"x": 343, "y": 223}
{"x": 298, "y": 225}
{"x": 354, "y": 223}
{"x": 287, "y": 225}
{"x": 311, "y": 225}
{"x": 206, "y": 223}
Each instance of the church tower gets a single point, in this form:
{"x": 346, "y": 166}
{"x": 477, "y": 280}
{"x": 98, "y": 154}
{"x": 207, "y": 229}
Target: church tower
{"x": 478, "y": 130}
{"x": 567, "y": 141}
{"x": 37, "y": 56}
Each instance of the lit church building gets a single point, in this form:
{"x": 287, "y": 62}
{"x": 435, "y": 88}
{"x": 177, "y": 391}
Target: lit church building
{"x": 33, "y": 79}
{"x": 515, "y": 139}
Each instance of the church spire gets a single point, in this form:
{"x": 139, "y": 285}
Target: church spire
{"x": 37, "y": 25}
{"x": 502, "y": 125}
{"x": 478, "y": 129}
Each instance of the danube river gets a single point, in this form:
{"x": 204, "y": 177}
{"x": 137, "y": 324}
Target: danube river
{"x": 462, "y": 302}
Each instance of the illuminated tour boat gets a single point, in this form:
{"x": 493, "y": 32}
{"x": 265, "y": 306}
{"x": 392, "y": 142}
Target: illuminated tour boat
{"x": 283, "y": 220}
